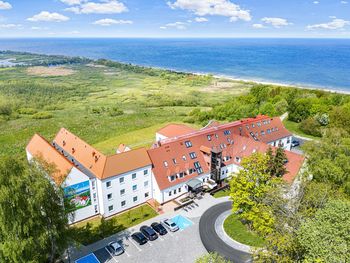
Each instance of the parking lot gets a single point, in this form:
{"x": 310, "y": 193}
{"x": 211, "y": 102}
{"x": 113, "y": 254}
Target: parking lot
{"x": 181, "y": 246}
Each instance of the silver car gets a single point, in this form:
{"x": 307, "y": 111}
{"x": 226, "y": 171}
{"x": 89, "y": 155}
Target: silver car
{"x": 115, "y": 248}
{"x": 170, "y": 225}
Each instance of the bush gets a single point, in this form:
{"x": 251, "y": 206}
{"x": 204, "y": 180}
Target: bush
{"x": 42, "y": 115}
{"x": 311, "y": 127}
{"x": 115, "y": 112}
{"x": 27, "y": 111}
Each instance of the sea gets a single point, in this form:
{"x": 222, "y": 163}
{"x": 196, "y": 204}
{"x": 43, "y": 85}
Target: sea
{"x": 318, "y": 63}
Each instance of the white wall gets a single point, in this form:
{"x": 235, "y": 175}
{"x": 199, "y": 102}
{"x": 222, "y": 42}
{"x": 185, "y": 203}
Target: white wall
{"x": 175, "y": 189}
{"x": 160, "y": 137}
{"x": 116, "y": 186}
{"x": 286, "y": 142}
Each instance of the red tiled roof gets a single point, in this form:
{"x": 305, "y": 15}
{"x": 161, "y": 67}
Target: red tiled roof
{"x": 39, "y": 148}
{"x": 220, "y": 136}
{"x": 97, "y": 163}
{"x": 174, "y": 130}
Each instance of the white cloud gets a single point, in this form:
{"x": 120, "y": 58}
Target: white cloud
{"x": 344, "y": 2}
{"x": 258, "y": 26}
{"x": 5, "y": 5}
{"x": 201, "y": 19}
{"x": 10, "y": 25}
{"x": 72, "y": 2}
{"x": 334, "y": 24}
{"x": 177, "y": 25}
{"x": 105, "y": 7}
{"x": 214, "y": 8}
{"x": 48, "y": 17}
{"x": 276, "y": 21}
{"x": 109, "y": 22}
{"x": 316, "y": 2}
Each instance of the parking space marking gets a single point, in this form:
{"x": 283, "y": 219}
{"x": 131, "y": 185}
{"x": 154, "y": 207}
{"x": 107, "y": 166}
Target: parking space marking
{"x": 149, "y": 243}
{"x": 116, "y": 261}
{"x": 169, "y": 232}
{"x": 161, "y": 239}
{"x": 132, "y": 242}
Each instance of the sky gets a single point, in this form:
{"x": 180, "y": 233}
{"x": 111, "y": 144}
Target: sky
{"x": 175, "y": 18}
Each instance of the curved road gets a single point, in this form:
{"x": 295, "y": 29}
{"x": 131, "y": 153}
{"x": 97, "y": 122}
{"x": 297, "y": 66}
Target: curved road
{"x": 212, "y": 242}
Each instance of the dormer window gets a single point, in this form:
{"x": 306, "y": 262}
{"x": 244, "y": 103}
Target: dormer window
{"x": 238, "y": 160}
{"x": 172, "y": 178}
{"x": 253, "y": 125}
{"x": 259, "y": 124}
{"x": 209, "y": 137}
{"x": 268, "y": 131}
{"x": 262, "y": 132}
{"x": 184, "y": 157}
{"x": 64, "y": 143}
{"x": 193, "y": 155}
{"x": 188, "y": 144}
{"x": 216, "y": 135}
{"x": 174, "y": 161}
{"x": 165, "y": 163}
{"x": 227, "y": 132}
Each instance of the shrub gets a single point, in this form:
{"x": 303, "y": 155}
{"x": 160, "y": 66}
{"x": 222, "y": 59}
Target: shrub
{"x": 27, "y": 111}
{"x": 42, "y": 115}
{"x": 311, "y": 126}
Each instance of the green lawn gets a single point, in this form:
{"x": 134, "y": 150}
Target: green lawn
{"x": 96, "y": 229}
{"x": 239, "y": 232}
{"x": 222, "y": 193}
{"x": 294, "y": 128}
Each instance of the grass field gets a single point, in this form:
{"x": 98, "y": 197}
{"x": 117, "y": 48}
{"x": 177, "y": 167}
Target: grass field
{"x": 239, "y": 232}
{"x": 222, "y": 193}
{"x": 96, "y": 229}
{"x": 293, "y": 127}
{"x": 103, "y": 105}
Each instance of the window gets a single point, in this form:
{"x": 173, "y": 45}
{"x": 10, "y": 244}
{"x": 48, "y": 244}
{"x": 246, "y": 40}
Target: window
{"x": 170, "y": 193}
{"x": 96, "y": 209}
{"x": 175, "y": 192}
{"x": 193, "y": 155}
{"x": 165, "y": 163}
{"x": 179, "y": 189}
{"x": 227, "y": 132}
{"x": 188, "y": 144}
{"x": 172, "y": 178}
{"x": 121, "y": 180}
{"x": 93, "y": 185}
{"x": 253, "y": 125}
{"x": 181, "y": 175}
{"x": 184, "y": 157}
{"x": 238, "y": 160}
{"x": 191, "y": 171}
{"x": 146, "y": 194}
{"x": 134, "y": 187}
{"x": 122, "y": 192}
{"x": 209, "y": 137}
{"x": 110, "y": 208}
{"x": 259, "y": 124}
{"x": 197, "y": 164}
{"x": 268, "y": 131}
{"x": 109, "y": 196}
{"x": 216, "y": 136}
{"x": 134, "y": 198}
{"x": 145, "y": 172}
{"x": 145, "y": 184}
{"x": 94, "y": 196}
{"x": 174, "y": 161}
{"x": 108, "y": 184}
{"x": 262, "y": 132}
{"x": 123, "y": 203}
{"x": 133, "y": 176}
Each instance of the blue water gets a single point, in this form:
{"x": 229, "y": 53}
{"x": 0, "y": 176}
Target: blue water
{"x": 91, "y": 258}
{"x": 308, "y": 62}
{"x": 182, "y": 222}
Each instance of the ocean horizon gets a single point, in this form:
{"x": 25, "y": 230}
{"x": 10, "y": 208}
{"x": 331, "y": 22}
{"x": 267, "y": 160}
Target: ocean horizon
{"x": 314, "y": 63}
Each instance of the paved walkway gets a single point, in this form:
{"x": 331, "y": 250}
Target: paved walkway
{"x": 211, "y": 239}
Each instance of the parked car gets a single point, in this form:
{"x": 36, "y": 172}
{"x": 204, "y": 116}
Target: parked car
{"x": 170, "y": 225}
{"x": 115, "y": 248}
{"x": 139, "y": 238}
{"x": 159, "y": 228}
{"x": 295, "y": 143}
{"x": 149, "y": 233}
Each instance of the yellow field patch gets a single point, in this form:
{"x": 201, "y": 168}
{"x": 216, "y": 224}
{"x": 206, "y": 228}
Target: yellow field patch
{"x": 50, "y": 71}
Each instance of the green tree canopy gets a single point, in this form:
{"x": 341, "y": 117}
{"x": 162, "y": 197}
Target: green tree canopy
{"x": 325, "y": 238}
{"x": 33, "y": 221}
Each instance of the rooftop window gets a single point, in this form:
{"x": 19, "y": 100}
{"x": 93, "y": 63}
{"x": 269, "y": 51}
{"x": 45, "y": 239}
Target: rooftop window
{"x": 174, "y": 161}
{"x": 188, "y": 144}
{"x": 193, "y": 155}
{"x": 227, "y": 132}
{"x": 165, "y": 163}
{"x": 209, "y": 137}
{"x": 184, "y": 157}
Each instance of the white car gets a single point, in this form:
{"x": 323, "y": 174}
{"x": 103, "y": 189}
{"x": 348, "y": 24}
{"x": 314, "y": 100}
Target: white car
{"x": 170, "y": 225}
{"x": 115, "y": 248}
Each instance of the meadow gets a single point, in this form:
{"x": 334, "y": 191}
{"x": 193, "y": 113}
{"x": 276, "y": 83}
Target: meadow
{"x": 104, "y": 104}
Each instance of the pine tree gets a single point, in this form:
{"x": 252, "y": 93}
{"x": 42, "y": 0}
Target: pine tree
{"x": 279, "y": 162}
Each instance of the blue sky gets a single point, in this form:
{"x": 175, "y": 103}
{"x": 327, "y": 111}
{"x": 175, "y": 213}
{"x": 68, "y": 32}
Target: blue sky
{"x": 174, "y": 18}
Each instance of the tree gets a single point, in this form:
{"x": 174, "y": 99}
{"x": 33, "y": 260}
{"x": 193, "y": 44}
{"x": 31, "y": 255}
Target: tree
{"x": 279, "y": 161}
{"x": 33, "y": 221}
{"x": 212, "y": 258}
{"x": 248, "y": 189}
{"x": 325, "y": 238}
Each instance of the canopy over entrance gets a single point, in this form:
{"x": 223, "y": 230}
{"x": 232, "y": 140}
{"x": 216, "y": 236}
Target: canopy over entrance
{"x": 195, "y": 185}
